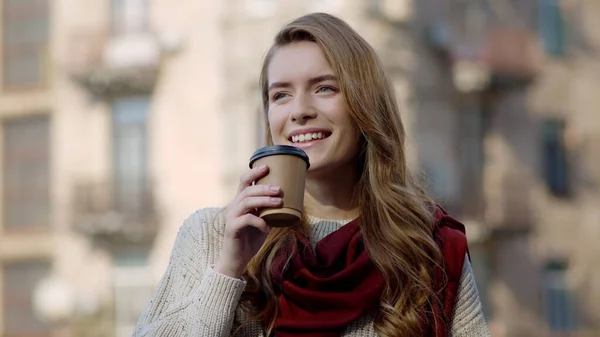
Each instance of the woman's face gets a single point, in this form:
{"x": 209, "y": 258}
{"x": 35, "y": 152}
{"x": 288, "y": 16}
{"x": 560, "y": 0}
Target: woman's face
{"x": 307, "y": 109}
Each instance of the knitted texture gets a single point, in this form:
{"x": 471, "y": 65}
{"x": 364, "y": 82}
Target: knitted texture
{"x": 193, "y": 300}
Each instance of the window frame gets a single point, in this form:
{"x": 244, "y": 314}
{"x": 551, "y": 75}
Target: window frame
{"x": 119, "y": 24}
{"x": 43, "y": 49}
{"x": 557, "y": 162}
{"x": 46, "y": 226}
{"x": 117, "y": 133}
{"x": 47, "y": 266}
{"x": 554, "y": 279}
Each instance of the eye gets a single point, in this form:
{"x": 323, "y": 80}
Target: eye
{"x": 278, "y": 96}
{"x": 326, "y": 88}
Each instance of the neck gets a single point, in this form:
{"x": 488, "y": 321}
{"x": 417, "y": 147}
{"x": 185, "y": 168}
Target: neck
{"x": 330, "y": 197}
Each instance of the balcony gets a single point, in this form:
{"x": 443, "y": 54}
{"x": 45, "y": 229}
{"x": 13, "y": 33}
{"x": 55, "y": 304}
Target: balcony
{"x": 483, "y": 49}
{"x": 108, "y": 64}
{"x": 114, "y": 214}
{"x": 500, "y": 56}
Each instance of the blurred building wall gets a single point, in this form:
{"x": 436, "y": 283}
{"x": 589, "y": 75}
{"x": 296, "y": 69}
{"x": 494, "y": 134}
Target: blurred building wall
{"x": 121, "y": 118}
{"x": 128, "y": 101}
{"x": 525, "y": 140}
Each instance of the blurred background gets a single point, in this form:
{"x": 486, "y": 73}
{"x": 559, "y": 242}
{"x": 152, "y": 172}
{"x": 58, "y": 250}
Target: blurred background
{"x": 120, "y": 118}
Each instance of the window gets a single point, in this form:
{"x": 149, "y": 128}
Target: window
{"x": 19, "y": 282}
{"x": 472, "y": 131}
{"x": 440, "y": 166}
{"x": 25, "y": 46}
{"x": 132, "y": 288}
{"x": 26, "y": 174}
{"x": 558, "y": 301}
{"x": 129, "y": 16}
{"x": 130, "y": 148}
{"x": 551, "y": 27}
{"x": 554, "y": 155}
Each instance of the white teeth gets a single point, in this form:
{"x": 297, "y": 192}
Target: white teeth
{"x": 307, "y": 137}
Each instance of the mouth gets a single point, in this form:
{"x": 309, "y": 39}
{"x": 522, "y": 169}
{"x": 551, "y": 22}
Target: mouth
{"x": 308, "y": 137}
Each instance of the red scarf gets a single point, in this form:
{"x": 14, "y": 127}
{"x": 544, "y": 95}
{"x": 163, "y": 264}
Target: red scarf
{"x": 327, "y": 288}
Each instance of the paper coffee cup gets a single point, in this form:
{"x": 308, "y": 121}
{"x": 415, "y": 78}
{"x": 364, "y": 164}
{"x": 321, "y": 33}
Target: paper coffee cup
{"x": 287, "y": 169}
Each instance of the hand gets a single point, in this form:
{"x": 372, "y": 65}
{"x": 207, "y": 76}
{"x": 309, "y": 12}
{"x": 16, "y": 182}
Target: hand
{"x": 245, "y": 232}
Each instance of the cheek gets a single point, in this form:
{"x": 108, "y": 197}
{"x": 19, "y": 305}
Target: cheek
{"x": 276, "y": 122}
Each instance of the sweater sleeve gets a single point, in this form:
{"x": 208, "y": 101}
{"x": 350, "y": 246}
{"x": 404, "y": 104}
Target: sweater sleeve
{"x": 468, "y": 319}
{"x": 191, "y": 299}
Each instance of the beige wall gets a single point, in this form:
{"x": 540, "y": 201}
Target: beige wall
{"x": 563, "y": 228}
{"x": 202, "y": 132}
{"x": 184, "y": 123}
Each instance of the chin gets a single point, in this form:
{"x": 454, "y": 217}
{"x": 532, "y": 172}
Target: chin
{"x": 321, "y": 170}
{"x": 316, "y": 164}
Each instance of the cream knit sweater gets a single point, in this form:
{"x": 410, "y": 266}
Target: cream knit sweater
{"x": 193, "y": 300}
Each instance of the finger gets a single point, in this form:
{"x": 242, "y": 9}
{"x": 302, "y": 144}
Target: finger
{"x": 252, "y": 175}
{"x": 250, "y": 220}
{"x": 260, "y": 191}
{"x": 247, "y": 205}
{"x": 257, "y": 190}
{"x": 253, "y": 191}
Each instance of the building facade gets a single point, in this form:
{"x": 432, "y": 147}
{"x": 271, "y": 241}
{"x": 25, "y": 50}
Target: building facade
{"x": 109, "y": 118}
{"x": 120, "y": 118}
{"x": 515, "y": 90}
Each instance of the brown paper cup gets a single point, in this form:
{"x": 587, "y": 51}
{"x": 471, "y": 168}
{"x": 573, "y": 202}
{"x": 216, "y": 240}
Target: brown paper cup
{"x": 287, "y": 169}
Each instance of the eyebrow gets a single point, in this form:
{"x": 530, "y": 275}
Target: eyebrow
{"x": 311, "y": 82}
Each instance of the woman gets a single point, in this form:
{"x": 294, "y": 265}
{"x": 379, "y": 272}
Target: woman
{"x": 374, "y": 256}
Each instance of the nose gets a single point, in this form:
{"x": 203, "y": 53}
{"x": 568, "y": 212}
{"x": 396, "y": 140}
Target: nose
{"x": 302, "y": 109}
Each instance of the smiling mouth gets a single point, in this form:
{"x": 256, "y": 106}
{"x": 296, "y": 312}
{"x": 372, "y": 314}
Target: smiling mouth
{"x": 308, "y": 137}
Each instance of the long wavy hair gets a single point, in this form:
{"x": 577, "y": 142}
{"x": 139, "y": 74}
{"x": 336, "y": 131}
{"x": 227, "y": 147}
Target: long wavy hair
{"x": 396, "y": 215}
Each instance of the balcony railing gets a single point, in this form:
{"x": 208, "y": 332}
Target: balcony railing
{"x": 106, "y": 64}
{"x": 507, "y": 48}
{"x": 115, "y": 212}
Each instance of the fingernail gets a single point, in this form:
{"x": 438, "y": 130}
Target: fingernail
{"x": 275, "y": 200}
{"x": 274, "y": 188}
{"x": 262, "y": 167}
